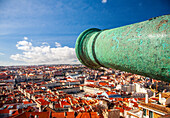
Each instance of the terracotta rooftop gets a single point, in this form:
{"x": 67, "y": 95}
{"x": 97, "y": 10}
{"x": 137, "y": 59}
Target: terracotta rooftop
{"x": 58, "y": 115}
{"x": 121, "y": 110}
{"x": 4, "y": 111}
{"x": 70, "y": 114}
{"x": 42, "y": 101}
{"x": 28, "y": 114}
{"x": 87, "y": 115}
{"x": 27, "y": 102}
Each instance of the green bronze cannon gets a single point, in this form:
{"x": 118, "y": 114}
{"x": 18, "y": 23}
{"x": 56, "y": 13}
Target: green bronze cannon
{"x": 141, "y": 48}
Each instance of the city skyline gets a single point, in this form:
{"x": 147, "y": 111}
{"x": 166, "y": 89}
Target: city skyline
{"x": 45, "y": 32}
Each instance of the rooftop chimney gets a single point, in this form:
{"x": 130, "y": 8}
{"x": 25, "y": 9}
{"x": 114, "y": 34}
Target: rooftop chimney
{"x": 146, "y": 98}
{"x": 160, "y": 97}
{"x": 154, "y": 94}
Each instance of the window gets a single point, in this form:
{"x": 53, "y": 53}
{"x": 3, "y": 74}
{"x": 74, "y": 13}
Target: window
{"x": 144, "y": 112}
{"x": 150, "y": 114}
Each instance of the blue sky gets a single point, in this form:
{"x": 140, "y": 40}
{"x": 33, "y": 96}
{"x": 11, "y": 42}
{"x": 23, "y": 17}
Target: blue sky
{"x": 51, "y": 27}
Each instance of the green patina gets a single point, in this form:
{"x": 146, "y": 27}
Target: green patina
{"x": 142, "y": 48}
{"x": 116, "y": 41}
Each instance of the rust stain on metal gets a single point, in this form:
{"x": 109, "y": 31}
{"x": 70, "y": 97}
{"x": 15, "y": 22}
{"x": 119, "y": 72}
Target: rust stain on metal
{"x": 161, "y": 23}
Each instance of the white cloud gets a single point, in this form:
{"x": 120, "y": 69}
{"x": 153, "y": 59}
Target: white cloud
{"x": 45, "y": 54}
{"x": 10, "y": 63}
{"x": 24, "y": 45}
{"x": 25, "y": 38}
{"x": 104, "y": 1}
{"x": 57, "y": 44}
{"x": 2, "y": 53}
{"x": 45, "y": 43}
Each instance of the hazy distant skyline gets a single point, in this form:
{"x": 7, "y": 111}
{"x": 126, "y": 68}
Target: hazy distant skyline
{"x": 45, "y": 31}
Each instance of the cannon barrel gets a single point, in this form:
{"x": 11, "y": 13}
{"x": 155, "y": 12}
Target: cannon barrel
{"x": 141, "y": 48}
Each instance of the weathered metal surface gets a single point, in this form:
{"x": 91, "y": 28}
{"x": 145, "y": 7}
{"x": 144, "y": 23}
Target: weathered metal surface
{"x": 142, "y": 48}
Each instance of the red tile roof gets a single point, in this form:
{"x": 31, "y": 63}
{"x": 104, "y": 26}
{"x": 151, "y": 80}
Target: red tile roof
{"x": 53, "y": 99}
{"x": 103, "y": 84}
{"x": 111, "y": 93}
{"x": 70, "y": 115}
{"x": 121, "y": 110}
{"x": 88, "y": 115}
{"x": 157, "y": 99}
{"x": 14, "y": 113}
{"x": 64, "y": 103}
{"x": 135, "y": 105}
{"x": 4, "y": 111}
{"x": 58, "y": 114}
{"x": 27, "y": 102}
{"x": 42, "y": 101}
{"x": 39, "y": 114}
{"x": 57, "y": 106}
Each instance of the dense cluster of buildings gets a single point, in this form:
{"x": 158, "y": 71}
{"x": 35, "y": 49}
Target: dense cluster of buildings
{"x": 74, "y": 91}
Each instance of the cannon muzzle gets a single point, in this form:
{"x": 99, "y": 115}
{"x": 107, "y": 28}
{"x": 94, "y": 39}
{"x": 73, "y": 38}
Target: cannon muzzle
{"x": 141, "y": 48}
